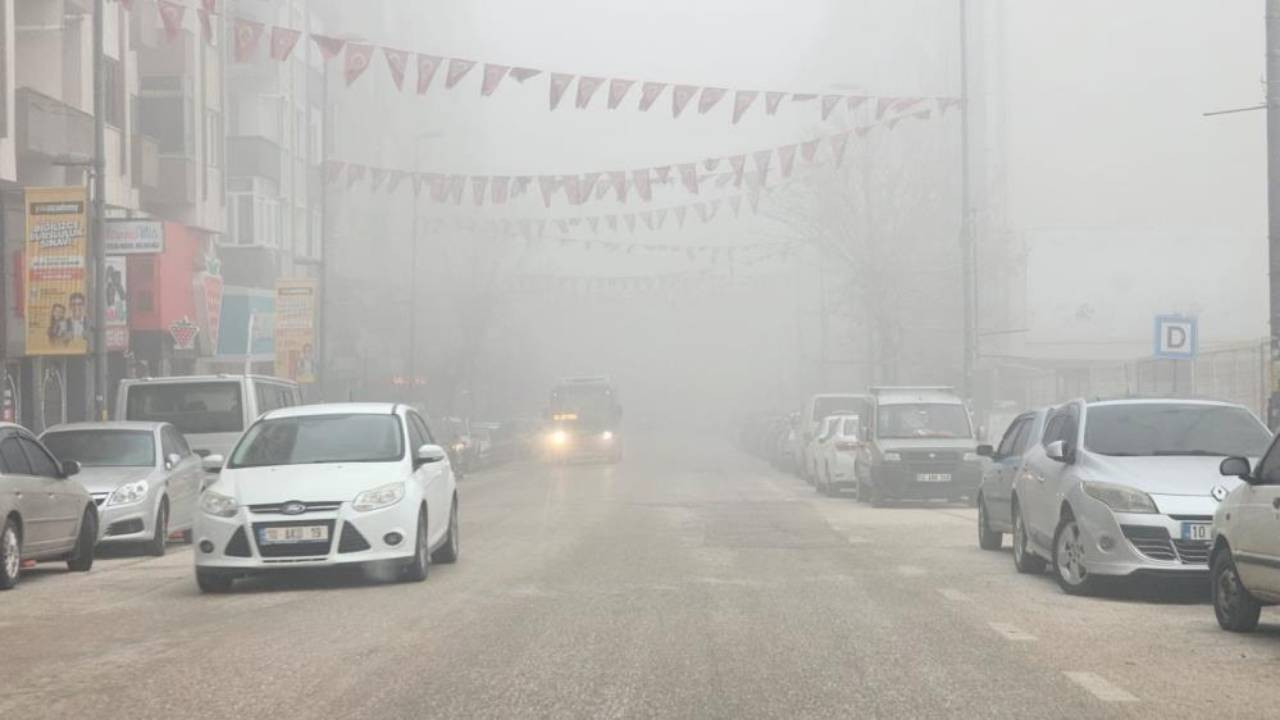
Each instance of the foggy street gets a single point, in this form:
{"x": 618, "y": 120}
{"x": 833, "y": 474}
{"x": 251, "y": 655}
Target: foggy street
{"x": 690, "y": 581}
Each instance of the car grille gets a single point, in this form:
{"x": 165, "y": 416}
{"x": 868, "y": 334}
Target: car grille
{"x": 239, "y": 544}
{"x": 99, "y": 498}
{"x": 930, "y": 456}
{"x": 312, "y": 507}
{"x": 351, "y": 540}
{"x": 312, "y": 549}
{"x": 1155, "y": 543}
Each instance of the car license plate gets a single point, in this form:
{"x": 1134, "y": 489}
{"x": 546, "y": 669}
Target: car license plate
{"x": 933, "y": 477}
{"x": 1196, "y": 531}
{"x": 293, "y": 534}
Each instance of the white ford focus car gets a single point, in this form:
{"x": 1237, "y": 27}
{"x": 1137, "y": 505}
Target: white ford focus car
{"x": 328, "y": 485}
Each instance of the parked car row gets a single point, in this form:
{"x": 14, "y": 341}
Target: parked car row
{"x": 1131, "y": 489}
{"x": 237, "y": 466}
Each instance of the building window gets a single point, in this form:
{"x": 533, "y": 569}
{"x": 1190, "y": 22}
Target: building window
{"x": 165, "y": 119}
{"x": 115, "y": 92}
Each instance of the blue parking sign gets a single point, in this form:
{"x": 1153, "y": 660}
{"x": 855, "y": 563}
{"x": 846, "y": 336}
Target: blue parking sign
{"x": 1177, "y": 337}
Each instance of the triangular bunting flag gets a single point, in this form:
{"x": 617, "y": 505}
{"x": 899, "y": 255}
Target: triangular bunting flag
{"x": 587, "y": 87}
{"x": 787, "y": 159}
{"x": 493, "y": 75}
{"x": 594, "y": 223}
{"x": 809, "y": 150}
{"x": 742, "y": 101}
{"x": 680, "y": 213}
{"x": 649, "y": 94}
{"x": 762, "y": 158}
{"x": 839, "y": 142}
{"x": 457, "y": 184}
{"x": 612, "y": 222}
{"x": 355, "y": 173}
{"x": 853, "y": 102}
{"x": 376, "y": 176}
{"x": 663, "y": 174}
{"x": 547, "y": 184}
{"x": 397, "y": 65}
{"x": 829, "y": 103}
{"x": 710, "y": 164}
{"x": 883, "y": 106}
{"x": 330, "y": 47}
{"x": 206, "y": 25}
{"x": 427, "y": 67}
{"x": 772, "y": 100}
{"x": 248, "y": 34}
{"x": 739, "y": 163}
{"x": 521, "y": 74}
{"x": 619, "y": 180}
{"x": 501, "y": 189}
{"x": 735, "y": 204}
{"x": 709, "y": 98}
{"x": 572, "y": 189}
{"x": 640, "y": 178}
{"x": 357, "y": 61}
{"x": 559, "y": 83}
{"x": 171, "y": 15}
{"x": 458, "y": 69}
{"x": 479, "y": 186}
{"x": 661, "y": 217}
{"x": 630, "y": 219}
{"x": 680, "y": 97}
{"x": 397, "y": 177}
{"x": 283, "y": 41}
{"x": 617, "y": 91}
{"x": 689, "y": 176}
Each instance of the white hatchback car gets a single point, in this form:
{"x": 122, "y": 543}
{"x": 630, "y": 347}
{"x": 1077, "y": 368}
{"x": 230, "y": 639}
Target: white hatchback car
{"x": 1245, "y": 564}
{"x": 324, "y": 485}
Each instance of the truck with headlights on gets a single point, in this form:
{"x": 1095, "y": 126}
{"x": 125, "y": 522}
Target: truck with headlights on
{"x": 583, "y": 421}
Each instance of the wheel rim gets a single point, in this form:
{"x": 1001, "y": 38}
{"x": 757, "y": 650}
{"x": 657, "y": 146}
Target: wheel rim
{"x": 1071, "y": 554}
{"x": 12, "y": 555}
{"x": 1228, "y": 593}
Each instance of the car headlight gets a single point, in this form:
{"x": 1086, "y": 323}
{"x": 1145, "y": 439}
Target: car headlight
{"x": 379, "y": 497}
{"x": 559, "y": 437}
{"x": 607, "y": 435}
{"x": 218, "y": 505}
{"x": 1119, "y": 498}
{"x": 893, "y": 457}
{"x": 129, "y": 493}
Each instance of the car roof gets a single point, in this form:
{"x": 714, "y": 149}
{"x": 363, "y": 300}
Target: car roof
{"x": 179, "y": 379}
{"x": 907, "y": 396}
{"x": 352, "y": 408}
{"x": 108, "y": 425}
{"x": 1160, "y": 401}
{"x": 854, "y": 396}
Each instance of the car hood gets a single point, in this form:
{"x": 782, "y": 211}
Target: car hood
{"x": 106, "y": 479}
{"x": 337, "y": 482}
{"x": 896, "y": 444}
{"x": 1160, "y": 475}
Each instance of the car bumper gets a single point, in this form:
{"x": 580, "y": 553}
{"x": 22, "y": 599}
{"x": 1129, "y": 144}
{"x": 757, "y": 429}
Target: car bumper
{"x": 903, "y": 480}
{"x": 235, "y": 545}
{"x": 126, "y": 523}
{"x": 1120, "y": 544}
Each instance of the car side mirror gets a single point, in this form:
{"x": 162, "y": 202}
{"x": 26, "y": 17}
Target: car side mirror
{"x": 70, "y": 468}
{"x": 172, "y": 461}
{"x": 429, "y": 455}
{"x": 202, "y": 452}
{"x": 986, "y": 451}
{"x": 1237, "y": 467}
{"x": 1060, "y": 451}
{"x": 212, "y": 463}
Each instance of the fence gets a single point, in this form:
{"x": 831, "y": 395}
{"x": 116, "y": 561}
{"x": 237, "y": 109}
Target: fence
{"x": 1240, "y": 375}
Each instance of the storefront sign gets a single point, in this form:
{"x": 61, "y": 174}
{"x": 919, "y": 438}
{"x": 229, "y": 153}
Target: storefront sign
{"x": 184, "y": 334}
{"x": 134, "y": 237}
{"x": 244, "y": 311}
{"x": 56, "y": 245}
{"x": 117, "y": 289}
{"x": 295, "y": 330}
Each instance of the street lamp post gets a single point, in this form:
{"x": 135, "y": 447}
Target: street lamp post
{"x": 98, "y": 237}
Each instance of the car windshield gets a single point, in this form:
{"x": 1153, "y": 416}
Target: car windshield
{"x": 850, "y": 427}
{"x": 923, "y": 420}
{"x": 836, "y": 405}
{"x": 1147, "y": 429}
{"x": 194, "y": 408}
{"x": 104, "y": 448}
{"x": 317, "y": 439}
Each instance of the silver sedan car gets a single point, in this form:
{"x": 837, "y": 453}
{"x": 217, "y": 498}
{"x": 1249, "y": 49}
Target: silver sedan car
{"x": 143, "y": 477}
{"x": 1127, "y": 488}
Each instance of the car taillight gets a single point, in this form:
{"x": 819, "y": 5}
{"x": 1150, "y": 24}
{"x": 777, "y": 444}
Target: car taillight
{"x": 846, "y": 446}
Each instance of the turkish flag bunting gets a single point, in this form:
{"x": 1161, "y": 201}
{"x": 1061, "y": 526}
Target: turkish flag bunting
{"x": 356, "y": 61}
{"x": 787, "y": 159}
{"x": 762, "y": 158}
{"x": 435, "y": 181}
{"x": 742, "y": 102}
{"x": 248, "y": 33}
{"x": 493, "y": 75}
{"x": 853, "y": 102}
{"x": 547, "y": 183}
{"x": 680, "y": 212}
{"x": 640, "y": 178}
{"x": 710, "y": 164}
{"x": 829, "y": 103}
{"x": 171, "y": 15}
{"x": 376, "y": 176}
{"x": 330, "y": 47}
{"x": 521, "y": 74}
{"x": 680, "y": 97}
{"x": 739, "y": 162}
{"x": 479, "y": 186}
{"x": 458, "y": 69}
{"x": 649, "y": 94}
{"x": 689, "y": 176}
{"x": 590, "y": 184}
{"x": 457, "y": 184}
{"x": 663, "y": 174}
{"x": 572, "y": 189}
{"x": 427, "y": 67}
{"x": 883, "y": 106}
{"x": 397, "y": 65}
{"x": 206, "y": 25}
{"x": 501, "y": 189}
{"x": 619, "y": 180}
{"x": 602, "y": 188}
{"x": 617, "y": 91}
{"x": 709, "y": 98}
{"x": 559, "y": 83}
{"x": 283, "y": 41}
{"x": 809, "y": 150}
{"x": 839, "y": 143}
{"x": 772, "y": 100}
{"x": 587, "y": 87}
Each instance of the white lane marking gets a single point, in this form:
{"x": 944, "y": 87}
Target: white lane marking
{"x": 954, "y": 595}
{"x": 1100, "y": 688}
{"x": 910, "y": 570}
{"x": 1009, "y": 632}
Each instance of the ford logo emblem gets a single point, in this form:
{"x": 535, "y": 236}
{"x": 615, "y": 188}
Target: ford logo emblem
{"x": 293, "y": 508}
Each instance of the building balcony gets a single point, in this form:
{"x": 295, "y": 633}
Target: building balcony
{"x": 48, "y": 128}
{"x": 177, "y": 183}
{"x": 250, "y": 156}
{"x": 146, "y": 162}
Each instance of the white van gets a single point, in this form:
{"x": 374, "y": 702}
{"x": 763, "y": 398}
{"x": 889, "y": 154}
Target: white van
{"x": 210, "y": 410}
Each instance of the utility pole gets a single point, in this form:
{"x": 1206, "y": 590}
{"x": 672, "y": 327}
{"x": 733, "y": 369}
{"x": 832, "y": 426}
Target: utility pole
{"x": 95, "y": 276}
{"x": 968, "y": 286}
{"x": 1273, "y": 199}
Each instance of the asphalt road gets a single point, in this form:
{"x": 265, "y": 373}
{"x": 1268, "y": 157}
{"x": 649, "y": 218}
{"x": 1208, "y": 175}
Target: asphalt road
{"x": 688, "y": 582}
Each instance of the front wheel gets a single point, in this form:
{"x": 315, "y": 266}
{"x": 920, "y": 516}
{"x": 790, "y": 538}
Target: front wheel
{"x": 987, "y": 538}
{"x": 159, "y": 541}
{"x": 10, "y": 555}
{"x": 1069, "y": 544}
{"x": 81, "y": 559}
{"x": 1236, "y": 609}
{"x": 420, "y": 566}
{"x": 448, "y": 553}
{"x": 1024, "y": 560}
{"x": 213, "y": 583}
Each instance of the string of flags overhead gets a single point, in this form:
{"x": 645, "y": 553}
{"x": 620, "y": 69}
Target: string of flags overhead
{"x": 435, "y": 70}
